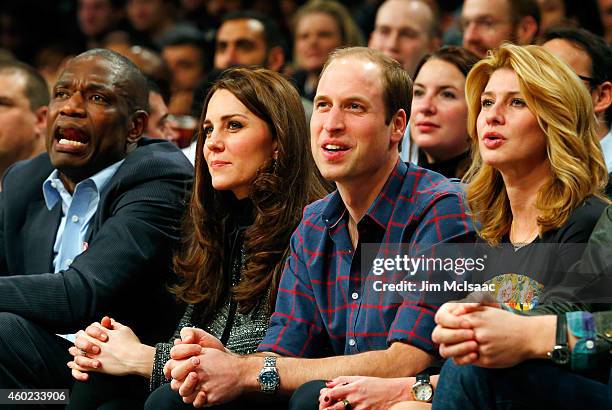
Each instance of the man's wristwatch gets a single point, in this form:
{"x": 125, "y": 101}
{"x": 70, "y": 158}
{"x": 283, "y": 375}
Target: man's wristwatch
{"x": 422, "y": 390}
{"x": 560, "y": 353}
{"x": 269, "y": 379}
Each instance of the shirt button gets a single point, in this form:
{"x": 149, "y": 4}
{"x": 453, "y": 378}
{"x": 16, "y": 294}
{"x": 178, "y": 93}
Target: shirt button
{"x": 352, "y": 342}
{"x": 53, "y": 184}
{"x": 68, "y": 262}
{"x": 355, "y": 295}
{"x": 75, "y": 218}
{"x": 589, "y": 344}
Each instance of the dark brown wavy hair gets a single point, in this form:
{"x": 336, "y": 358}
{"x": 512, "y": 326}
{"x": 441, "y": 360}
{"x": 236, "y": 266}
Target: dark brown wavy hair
{"x": 281, "y": 189}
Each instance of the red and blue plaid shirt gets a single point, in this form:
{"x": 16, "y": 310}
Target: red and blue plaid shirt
{"x": 324, "y": 307}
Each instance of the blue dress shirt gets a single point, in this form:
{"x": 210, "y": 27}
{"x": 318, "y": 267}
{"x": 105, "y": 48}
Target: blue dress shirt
{"x": 77, "y": 211}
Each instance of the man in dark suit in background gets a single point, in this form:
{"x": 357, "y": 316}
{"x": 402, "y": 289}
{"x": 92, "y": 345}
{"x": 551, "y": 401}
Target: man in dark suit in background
{"x": 24, "y": 96}
{"x": 88, "y": 228}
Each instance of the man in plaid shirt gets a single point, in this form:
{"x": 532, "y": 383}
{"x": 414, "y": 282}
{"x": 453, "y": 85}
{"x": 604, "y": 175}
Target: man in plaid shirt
{"x": 327, "y": 323}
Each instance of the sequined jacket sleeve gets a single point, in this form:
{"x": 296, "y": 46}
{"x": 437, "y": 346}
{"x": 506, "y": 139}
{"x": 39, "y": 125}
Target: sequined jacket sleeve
{"x": 162, "y": 352}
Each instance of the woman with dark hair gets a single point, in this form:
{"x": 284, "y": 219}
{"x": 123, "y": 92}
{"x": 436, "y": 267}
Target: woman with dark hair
{"x": 438, "y": 118}
{"x": 254, "y": 174}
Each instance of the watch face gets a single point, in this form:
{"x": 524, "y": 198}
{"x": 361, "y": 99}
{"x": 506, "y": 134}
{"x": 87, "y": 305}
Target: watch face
{"x": 423, "y": 392}
{"x": 269, "y": 378}
{"x": 560, "y": 355}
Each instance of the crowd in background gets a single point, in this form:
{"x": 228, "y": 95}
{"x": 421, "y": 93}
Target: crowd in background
{"x": 182, "y": 46}
{"x": 455, "y": 84}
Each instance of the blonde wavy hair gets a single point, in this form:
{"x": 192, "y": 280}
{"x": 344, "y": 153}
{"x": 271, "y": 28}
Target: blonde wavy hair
{"x": 564, "y": 110}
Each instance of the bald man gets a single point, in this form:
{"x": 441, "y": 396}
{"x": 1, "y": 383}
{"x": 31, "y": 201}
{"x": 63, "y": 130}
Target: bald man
{"x": 87, "y": 228}
{"x": 405, "y": 30}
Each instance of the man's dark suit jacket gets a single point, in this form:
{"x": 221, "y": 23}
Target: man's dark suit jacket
{"x": 127, "y": 265}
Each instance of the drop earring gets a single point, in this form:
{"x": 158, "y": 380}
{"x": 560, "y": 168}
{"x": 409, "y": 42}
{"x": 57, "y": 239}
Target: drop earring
{"x": 274, "y": 161}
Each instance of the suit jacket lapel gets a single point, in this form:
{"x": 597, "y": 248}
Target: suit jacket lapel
{"x": 40, "y": 232}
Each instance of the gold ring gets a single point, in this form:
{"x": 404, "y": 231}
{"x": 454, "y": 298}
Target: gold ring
{"x": 347, "y": 404}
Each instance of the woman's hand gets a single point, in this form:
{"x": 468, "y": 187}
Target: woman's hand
{"x": 194, "y": 335}
{"x": 85, "y": 348}
{"x": 506, "y": 339}
{"x": 363, "y": 392}
{"x": 490, "y": 337}
{"x": 119, "y": 355}
{"x": 454, "y": 332}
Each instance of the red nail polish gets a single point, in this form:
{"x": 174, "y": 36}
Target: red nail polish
{"x": 326, "y": 398}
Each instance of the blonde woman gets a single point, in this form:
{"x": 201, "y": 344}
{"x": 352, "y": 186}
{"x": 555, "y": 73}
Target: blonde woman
{"x": 537, "y": 178}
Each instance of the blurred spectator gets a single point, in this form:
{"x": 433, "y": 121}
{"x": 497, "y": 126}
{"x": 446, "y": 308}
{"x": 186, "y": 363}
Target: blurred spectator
{"x": 551, "y": 13}
{"x": 591, "y": 59}
{"x": 24, "y": 97}
{"x": 219, "y": 8}
{"x": 248, "y": 38}
{"x": 19, "y": 27}
{"x": 99, "y": 21}
{"x": 206, "y": 15}
{"x": 183, "y": 50}
{"x": 159, "y": 125}
{"x": 50, "y": 60}
{"x": 282, "y": 12}
{"x": 570, "y": 13}
{"x": 488, "y": 23}
{"x": 605, "y": 11}
{"x": 151, "y": 19}
{"x": 320, "y": 26}
{"x": 449, "y": 15}
{"x": 149, "y": 62}
{"x": 438, "y": 117}
{"x": 405, "y": 30}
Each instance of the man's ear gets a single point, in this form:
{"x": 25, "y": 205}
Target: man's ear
{"x": 41, "y": 119}
{"x": 603, "y": 98}
{"x": 276, "y": 59}
{"x": 138, "y": 124}
{"x": 398, "y": 125}
{"x": 526, "y": 30}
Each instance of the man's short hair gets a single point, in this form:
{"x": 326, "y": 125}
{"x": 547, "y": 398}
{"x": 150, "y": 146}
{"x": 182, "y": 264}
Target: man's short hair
{"x": 595, "y": 46}
{"x": 272, "y": 34}
{"x": 524, "y": 8}
{"x": 118, "y": 4}
{"x": 36, "y": 89}
{"x": 434, "y": 30}
{"x": 183, "y": 35}
{"x": 155, "y": 88}
{"x": 134, "y": 82}
{"x": 396, "y": 82}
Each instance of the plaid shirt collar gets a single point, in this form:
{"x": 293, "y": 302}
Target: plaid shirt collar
{"x": 380, "y": 211}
